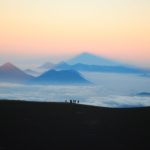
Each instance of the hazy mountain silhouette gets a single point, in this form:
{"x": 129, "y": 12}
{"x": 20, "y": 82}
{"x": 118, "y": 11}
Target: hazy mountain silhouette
{"x": 98, "y": 68}
{"x": 63, "y": 66}
{"x": 60, "y": 77}
{"x": 91, "y": 59}
{"x": 47, "y": 65}
{"x": 144, "y": 94}
{"x": 10, "y": 73}
{"x": 31, "y": 72}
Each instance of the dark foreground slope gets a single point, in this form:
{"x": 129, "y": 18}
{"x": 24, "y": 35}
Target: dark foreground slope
{"x": 33, "y": 126}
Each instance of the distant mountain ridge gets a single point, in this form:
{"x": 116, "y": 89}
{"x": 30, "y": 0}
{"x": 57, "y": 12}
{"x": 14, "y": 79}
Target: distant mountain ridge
{"x": 65, "y": 73}
{"x": 91, "y": 59}
{"x": 60, "y": 77}
{"x": 31, "y": 72}
{"x": 10, "y": 73}
{"x": 92, "y": 63}
{"x": 98, "y": 68}
{"x": 47, "y": 65}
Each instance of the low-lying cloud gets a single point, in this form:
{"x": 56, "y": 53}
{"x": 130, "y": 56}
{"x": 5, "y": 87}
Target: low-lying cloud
{"x": 92, "y": 95}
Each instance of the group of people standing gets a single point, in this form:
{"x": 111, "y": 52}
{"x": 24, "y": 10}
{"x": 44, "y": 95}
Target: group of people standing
{"x": 72, "y": 101}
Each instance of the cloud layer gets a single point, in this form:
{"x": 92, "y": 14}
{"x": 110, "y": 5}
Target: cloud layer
{"x": 108, "y": 93}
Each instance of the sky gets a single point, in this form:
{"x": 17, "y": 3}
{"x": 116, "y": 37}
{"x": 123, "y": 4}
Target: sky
{"x": 41, "y": 30}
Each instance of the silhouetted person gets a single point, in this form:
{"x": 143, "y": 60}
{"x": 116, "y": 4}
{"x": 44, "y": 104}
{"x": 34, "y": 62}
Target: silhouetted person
{"x": 70, "y": 101}
{"x": 78, "y": 101}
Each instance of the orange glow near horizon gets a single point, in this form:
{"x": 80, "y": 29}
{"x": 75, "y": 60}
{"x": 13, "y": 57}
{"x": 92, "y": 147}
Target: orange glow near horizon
{"x": 116, "y": 29}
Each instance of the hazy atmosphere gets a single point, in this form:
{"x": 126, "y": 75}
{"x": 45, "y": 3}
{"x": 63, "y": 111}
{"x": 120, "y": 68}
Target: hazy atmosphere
{"x": 103, "y": 42}
{"x": 38, "y": 30}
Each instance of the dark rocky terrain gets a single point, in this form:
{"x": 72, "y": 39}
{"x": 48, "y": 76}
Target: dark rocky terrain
{"x": 45, "y": 126}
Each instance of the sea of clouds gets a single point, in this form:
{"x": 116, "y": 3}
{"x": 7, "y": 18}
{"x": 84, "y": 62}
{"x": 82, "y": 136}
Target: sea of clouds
{"x": 109, "y": 90}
